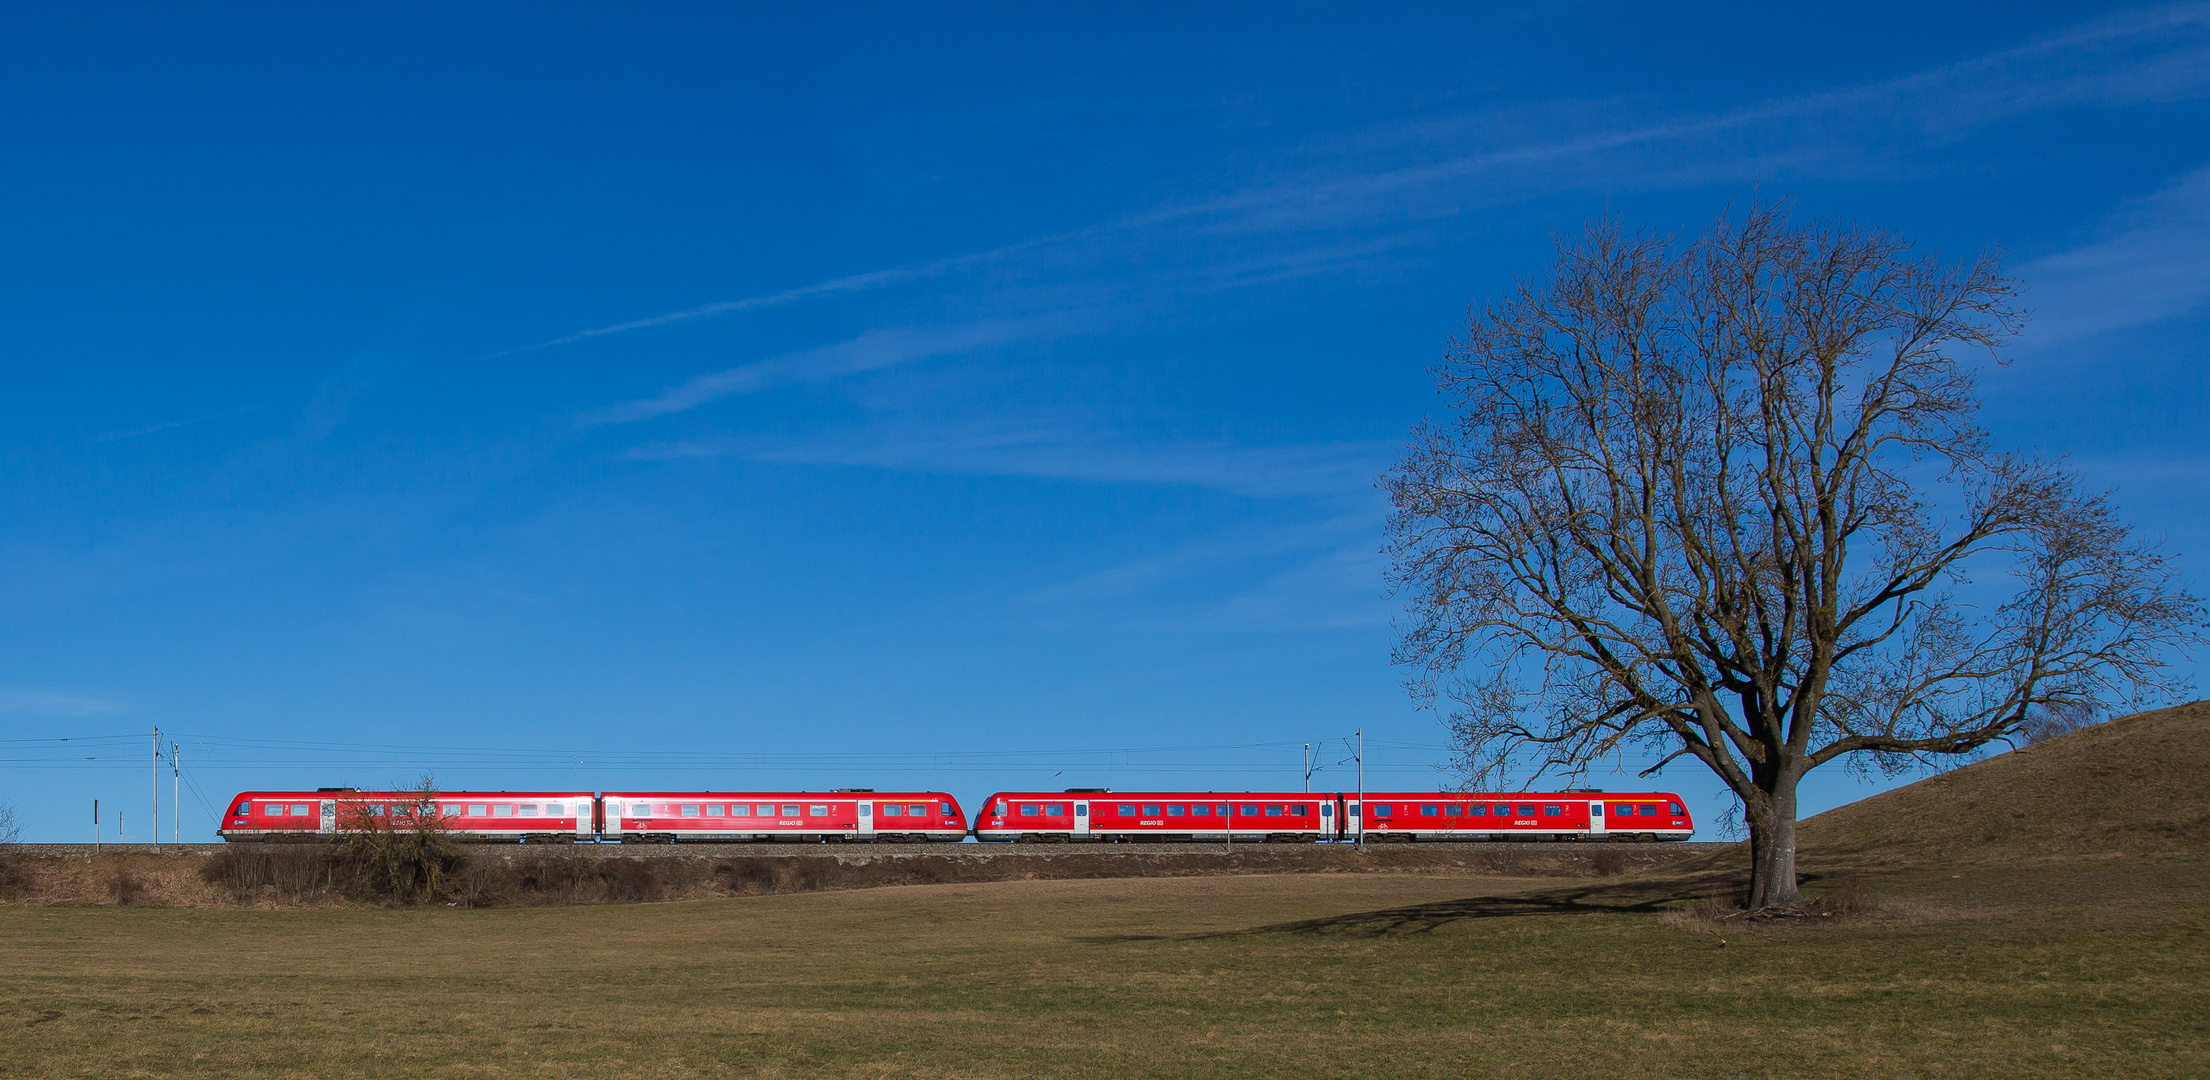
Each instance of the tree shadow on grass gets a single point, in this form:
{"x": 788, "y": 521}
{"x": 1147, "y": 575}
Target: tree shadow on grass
{"x": 1627, "y": 897}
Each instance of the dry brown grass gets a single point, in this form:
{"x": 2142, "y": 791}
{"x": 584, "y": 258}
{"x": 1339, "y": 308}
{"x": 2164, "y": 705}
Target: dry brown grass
{"x": 314, "y": 875}
{"x": 1442, "y": 975}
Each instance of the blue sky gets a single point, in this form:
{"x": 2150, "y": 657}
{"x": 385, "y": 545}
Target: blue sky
{"x": 550, "y": 395}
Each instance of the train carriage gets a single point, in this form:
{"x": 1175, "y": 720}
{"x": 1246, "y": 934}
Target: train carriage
{"x": 1570, "y": 815}
{"x": 1099, "y": 816}
{"x": 477, "y": 816}
{"x": 767, "y": 816}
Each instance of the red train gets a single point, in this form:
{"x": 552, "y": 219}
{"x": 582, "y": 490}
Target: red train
{"x": 514, "y": 816}
{"x": 628, "y": 817}
{"x": 739, "y": 816}
{"x": 1078, "y": 815}
{"x": 1096, "y": 815}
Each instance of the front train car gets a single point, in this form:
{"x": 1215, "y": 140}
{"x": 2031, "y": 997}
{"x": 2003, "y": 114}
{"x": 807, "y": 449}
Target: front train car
{"x": 1094, "y": 815}
{"x": 536, "y": 817}
{"x": 740, "y": 817}
{"x": 1564, "y": 815}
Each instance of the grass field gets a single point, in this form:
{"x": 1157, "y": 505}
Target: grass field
{"x": 1334, "y": 976}
{"x": 1994, "y": 951}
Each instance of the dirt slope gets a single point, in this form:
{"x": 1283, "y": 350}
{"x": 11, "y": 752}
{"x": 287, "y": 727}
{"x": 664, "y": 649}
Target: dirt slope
{"x": 2136, "y": 787}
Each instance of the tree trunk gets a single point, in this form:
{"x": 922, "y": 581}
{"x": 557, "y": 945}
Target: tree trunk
{"x": 1773, "y": 848}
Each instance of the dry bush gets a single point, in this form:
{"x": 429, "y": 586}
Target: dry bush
{"x": 493, "y": 880}
{"x": 786, "y": 874}
{"x": 126, "y": 889}
{"x": 1850, "y": 895}
{"x": 1704, "y": 914}
{"x": 632, "y": 880}
{"x": 1608, "y": 863}
{"x": 279, "y": 871}
{"x": 15, "y": 878}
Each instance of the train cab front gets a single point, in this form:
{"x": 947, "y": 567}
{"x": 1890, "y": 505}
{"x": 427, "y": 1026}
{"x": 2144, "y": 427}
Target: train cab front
{"x": 990, "y": 823}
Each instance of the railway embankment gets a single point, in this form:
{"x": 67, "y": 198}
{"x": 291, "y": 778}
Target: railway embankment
{"x": 291, "y": 875}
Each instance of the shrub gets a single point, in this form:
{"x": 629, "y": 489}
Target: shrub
{"x": 126, "y": 889}
{"x": 1850, "y": 895}
{"x": 404, "y": 855}
{"x": 302, "y": 871}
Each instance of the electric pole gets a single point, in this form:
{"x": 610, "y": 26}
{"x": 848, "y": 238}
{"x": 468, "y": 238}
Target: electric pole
{"x": 1362, "y": 789}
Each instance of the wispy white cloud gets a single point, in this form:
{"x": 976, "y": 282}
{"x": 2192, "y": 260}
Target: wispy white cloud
{"x": 1321, "y": 575}
{"x": 1329, "y": 470}
{"x": 168, "y": 425}
{"x": 50, "y": 703}
{"x": 2155, "y": 265}
{"x": 871, "y": 351}
{"x": 2159, "y": 54}
{"x": 853, "y": 283}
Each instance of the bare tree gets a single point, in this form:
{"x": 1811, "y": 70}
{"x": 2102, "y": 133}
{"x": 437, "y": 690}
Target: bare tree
{"x": 2059, "y": 718}
{"x": 11, "y": 829}
{"x": 403, "y": 848}
{"x": 1720, "y": 499}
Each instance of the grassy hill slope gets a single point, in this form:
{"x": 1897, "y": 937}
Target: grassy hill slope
{"x": 2136, "y": 787}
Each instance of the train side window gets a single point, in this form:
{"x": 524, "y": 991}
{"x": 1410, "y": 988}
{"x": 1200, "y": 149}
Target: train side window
{"x": 244, "y": 808}
{"x": 1028, "y": 809}
{"x": 1055, "y": 809}
{"x": 690, "y": 809}
{"x": 553, "y": 809}
{"x": 1677, "y": 811}
{"x": 950, "y": 810}
{"x": 1553, "y": 810}
{"x": 1273, "y": 809}
{"x": 917, "y": 810}
{"x": 505, "y": 809}
{"x": 301, "y": 810}
{"x": 791, "y": 809}
{"x": 1454, "y": 810}
{"x": 1478, "y": 810}
{"x": 1201, "y": 810}
{"x": 1649, "y": 810}
{"x": 1249, "y": 811}
{"x": 1327, "y": 810}
{"x": 529, "y": 809}
{"x": 891, "y": 809}
{"x": 817, "y": 810}
{"x": 1381, "y": 810}
{"x": 714, "y": 810}
{"x": 1177, "y": 809}
{"x": 1430, "y": 810}
{"x": 1151, "y": 809}
{"x": 1127, "y": 810}
{"x": 1299, "y": 809}
{"x": 1526, "y": 810}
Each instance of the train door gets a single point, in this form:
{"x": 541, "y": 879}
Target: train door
{"x": 1082, "y": 819}
{"x": 1354, "y": 820}
{"x": 1596, "y": 820}
{"x": 583, "y": 817}
{"x": 329, "y": 822}
{"x": 610, "y": 827}
{"x": 866, "y": 820}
